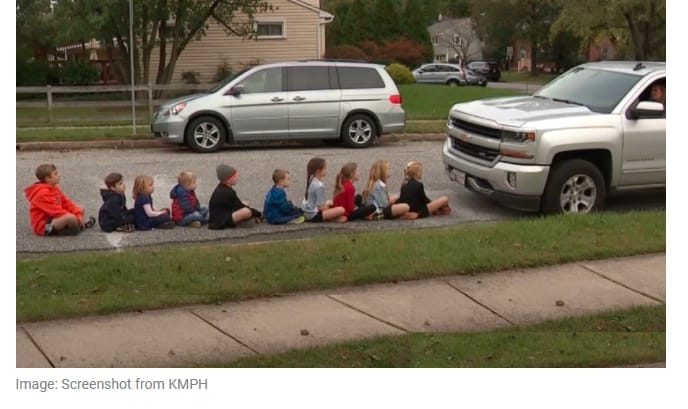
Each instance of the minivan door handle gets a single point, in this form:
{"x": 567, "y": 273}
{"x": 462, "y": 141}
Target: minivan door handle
{"x": 277, "y": 99}
{"x": 299, "y": 98}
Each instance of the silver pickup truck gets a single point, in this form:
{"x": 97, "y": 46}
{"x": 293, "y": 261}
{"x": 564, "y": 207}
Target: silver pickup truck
{"x": 593, "y": 129}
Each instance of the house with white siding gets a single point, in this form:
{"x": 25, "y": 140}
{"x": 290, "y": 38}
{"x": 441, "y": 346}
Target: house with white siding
{"x": 294, "y": 30}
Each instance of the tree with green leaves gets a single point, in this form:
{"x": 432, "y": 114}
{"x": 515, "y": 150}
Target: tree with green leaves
{"x": 358, "y": 26}
{"x": 167, "y": 26}
{"x": 414, "y": 26}
{"x": 385, "y": 14}
{"x": 640, "y": 22}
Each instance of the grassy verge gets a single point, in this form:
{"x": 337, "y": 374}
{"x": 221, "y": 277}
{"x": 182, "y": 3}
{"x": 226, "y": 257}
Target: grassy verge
{"x": 425, "y": 101}
{"x": 610, "y": 339}
{"x": 526, "y": 77}
{"x": 74, "y": 284}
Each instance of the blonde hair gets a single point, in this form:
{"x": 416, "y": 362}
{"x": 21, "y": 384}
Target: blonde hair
{"x": 413, "y": 170}
{"x": 140, "y": 184}
{"x": 346, "y": 173}
{"x": 186, "y": 177}
{"x": 378, "y": 171}
{"x": 279, "y": 174}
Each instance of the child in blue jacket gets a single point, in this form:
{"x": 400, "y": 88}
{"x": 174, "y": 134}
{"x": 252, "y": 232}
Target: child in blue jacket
{"x": 277, "y": 209}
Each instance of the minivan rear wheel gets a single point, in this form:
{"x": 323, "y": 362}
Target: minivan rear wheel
{"x": 205, "y": 134}
{"x": 359, "y": 131}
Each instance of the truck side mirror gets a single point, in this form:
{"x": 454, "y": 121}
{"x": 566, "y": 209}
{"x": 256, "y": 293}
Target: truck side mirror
{"x": 647, "y": 109}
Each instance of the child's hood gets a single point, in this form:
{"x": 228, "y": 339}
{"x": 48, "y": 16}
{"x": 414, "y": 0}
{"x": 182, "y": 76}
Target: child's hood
{"x": 107, "y": 194}
{"x": 37, "y": 188}
{"x": 177, "y": 190}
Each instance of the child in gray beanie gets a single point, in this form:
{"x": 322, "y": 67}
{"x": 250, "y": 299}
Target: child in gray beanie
{"x": 225, "y": 208}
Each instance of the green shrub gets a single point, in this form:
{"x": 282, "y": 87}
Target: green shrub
{"x": 345, "y": 52}
{"x": 400, "y": 74}
{"x": 36, "y": 73}
{"x": 191, "y": 77}
{"x": 78, "y": 72}
{"x": 224, "y": 70}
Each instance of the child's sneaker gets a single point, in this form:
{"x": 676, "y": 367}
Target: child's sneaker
{"x": 126, "y": 228}
{"x": 167, "y": 225}
{"x": 195, "y": 224}
{"x": 297, "y": 220}
{"x": 91, "y": 221}
{"x": 378, "y": 215}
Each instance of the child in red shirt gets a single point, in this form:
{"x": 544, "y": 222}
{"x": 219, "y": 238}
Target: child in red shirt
{"x": 52, "y": 213}
{"x": 344, "y": 193}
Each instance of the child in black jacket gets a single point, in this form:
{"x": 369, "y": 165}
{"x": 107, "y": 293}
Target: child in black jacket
{"x": 225, "y": 209}
{"x": 113, "y": 214}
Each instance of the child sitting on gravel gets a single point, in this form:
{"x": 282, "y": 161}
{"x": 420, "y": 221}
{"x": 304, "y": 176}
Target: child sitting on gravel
{"x": 225, "y": 208}
{"x": 113, "y": 214}
{"x": 277, "y": 209}
{"x": 186, "y": 210}
{"x": 52, "y": 213}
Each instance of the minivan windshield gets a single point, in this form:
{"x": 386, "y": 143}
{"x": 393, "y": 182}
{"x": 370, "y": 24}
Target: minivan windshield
{"x": 599, "y": 90}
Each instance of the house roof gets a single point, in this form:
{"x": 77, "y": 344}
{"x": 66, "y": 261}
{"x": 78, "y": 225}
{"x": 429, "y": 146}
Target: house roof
{"x": 322, "y": 13}
{"x": 446, "y": 24}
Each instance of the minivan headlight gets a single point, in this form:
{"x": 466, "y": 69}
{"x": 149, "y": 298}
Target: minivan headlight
{"x": 518, "y": 136}
{"x": 177, "y": 108}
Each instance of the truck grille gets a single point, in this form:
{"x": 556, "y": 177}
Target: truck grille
{"x": 486, "y": 131}
{"x": 476, "y": 151}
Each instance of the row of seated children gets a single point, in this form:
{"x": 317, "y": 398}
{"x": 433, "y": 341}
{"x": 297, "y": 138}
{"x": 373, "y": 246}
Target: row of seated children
{"x": 53, "y": 213}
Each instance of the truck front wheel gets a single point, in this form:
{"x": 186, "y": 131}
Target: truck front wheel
{"x": 574, "y": 186}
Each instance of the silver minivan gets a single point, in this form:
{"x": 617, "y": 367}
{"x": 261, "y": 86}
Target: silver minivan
{"x": 350, "y": 102}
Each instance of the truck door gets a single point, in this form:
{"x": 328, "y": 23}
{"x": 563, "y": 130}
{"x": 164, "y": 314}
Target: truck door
{"x": 644, "y": 147}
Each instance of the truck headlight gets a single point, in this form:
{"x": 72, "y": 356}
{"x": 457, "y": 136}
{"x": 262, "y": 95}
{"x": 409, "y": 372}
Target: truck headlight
{"x": 518, "y": 136}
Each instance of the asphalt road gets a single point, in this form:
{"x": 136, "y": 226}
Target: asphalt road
{"x": 83, "y": 172}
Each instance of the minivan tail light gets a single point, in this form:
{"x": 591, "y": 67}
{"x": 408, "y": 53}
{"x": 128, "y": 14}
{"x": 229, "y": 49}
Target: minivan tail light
{"x": 395, "y": 99}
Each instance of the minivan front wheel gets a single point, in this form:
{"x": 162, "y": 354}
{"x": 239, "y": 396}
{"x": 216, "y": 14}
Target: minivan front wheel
{"x": 359, "y": 131}
{"x": 205, "y": 134}
{"x": 574, "y": 186}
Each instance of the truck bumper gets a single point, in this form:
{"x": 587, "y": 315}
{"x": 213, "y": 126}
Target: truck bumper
{"x": 494, "y": 181}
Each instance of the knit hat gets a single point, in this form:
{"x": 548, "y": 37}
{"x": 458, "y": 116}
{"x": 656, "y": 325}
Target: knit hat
{"x": 225, "y": 172}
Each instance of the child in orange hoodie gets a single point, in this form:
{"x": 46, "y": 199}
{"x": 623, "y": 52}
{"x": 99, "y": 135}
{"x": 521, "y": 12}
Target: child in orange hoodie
{"x": 52, "y": 212}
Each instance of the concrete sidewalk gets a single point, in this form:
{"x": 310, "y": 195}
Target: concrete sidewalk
{"x": 205, "y": 334}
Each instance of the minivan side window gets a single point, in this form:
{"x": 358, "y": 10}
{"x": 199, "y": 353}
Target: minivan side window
{"x": 359, "y": 77}
{"x": 269, "y": 80}
{"x": 308, "y": 78}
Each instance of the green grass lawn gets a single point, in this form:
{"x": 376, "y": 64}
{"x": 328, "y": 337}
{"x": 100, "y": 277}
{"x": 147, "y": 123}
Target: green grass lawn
{"x": 75, "y": 284}
{"x": 81, "y": 134}
{"x": 430, "y": 101}
{"x": 616, "y": 338}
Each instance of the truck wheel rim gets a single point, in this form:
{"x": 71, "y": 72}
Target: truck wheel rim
{"x": 360, "y": 132}
{"x": 206, "y": 135}
{"x": 578, "y": 194}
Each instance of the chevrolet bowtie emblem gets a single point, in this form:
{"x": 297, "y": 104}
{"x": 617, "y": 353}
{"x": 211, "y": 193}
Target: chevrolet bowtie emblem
{"x": 465, "y": 137}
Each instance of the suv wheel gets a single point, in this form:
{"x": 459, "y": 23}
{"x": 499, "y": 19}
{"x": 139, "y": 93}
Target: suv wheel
{"x": 453, "y": 83}
{"x": 574, "y": 186}
{"x": 359, "y": 131}
{"x": 205, "y": 134}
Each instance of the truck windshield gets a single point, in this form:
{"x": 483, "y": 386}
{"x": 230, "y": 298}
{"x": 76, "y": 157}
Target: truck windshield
{"x": 599, "y": 90}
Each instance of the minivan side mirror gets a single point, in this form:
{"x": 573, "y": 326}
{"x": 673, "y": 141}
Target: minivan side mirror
{"x": 647, "y": 109}
{"x": 237, "y": 90}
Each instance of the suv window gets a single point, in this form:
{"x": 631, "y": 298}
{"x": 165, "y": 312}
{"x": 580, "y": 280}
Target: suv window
{"x": 359, "y": 77}
{"x": 269, "y": 80}
{"x": 308, "y": 78}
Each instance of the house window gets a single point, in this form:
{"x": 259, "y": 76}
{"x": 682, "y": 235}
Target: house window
{"x": 270, "y": 29}
{"x": 458, "y": 40}
{"x": 605, "y": 53}
{"x": 435, "y": 40}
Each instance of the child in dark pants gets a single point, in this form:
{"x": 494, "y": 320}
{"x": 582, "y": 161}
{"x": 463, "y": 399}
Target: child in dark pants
{"x": 344, "y": 193}
{"x": 147, "y": 217}
{"x": 225, "y": 208}
{"x": 413, "y": 194}
{"x": 113, "y": 214}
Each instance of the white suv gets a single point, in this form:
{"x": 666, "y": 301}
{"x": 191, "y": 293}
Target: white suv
{"x": 350, "y": 102}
